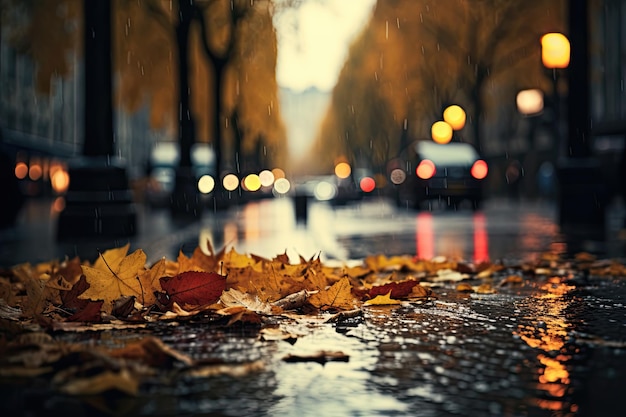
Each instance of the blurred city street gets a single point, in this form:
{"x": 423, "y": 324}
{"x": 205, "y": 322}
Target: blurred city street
{"x": 502, "y": 230}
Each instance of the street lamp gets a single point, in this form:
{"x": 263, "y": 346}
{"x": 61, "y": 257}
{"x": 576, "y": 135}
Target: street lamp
{"x": 555, "y": 55}
{"x": 555, "y": 50}
{"x": 530, "y": 102}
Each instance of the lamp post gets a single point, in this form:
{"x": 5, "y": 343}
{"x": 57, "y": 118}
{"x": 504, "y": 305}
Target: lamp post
{"x": 555, "y": 56}
{"x": 582, "y": 189}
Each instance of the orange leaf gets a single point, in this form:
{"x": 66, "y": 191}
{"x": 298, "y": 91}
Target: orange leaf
{"x": 338, "y": 296}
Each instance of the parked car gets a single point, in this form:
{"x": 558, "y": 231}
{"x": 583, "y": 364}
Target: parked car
{"x": 448, "y": 173}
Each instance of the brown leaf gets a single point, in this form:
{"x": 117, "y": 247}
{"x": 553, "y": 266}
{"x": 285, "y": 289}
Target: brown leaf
{"x": 398, "y": 290}
{"x": 338, "y": 296}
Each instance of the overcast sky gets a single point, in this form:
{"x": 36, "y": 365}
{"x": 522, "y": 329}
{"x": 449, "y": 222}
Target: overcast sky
{"x": 311, "y": 53}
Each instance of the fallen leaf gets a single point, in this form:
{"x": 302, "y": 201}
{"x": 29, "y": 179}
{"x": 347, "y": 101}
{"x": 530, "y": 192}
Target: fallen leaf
{"x": 397, "y": 290}
{"x": 464, "y": 287}
{"x": 194, "y": 288}
{"x": 233, "y": 297}
{"x": 113, "y": 278}
{"x": 150, "y": 282}
{"x": 382, "y": 300}
{"x": 338, "y": 296}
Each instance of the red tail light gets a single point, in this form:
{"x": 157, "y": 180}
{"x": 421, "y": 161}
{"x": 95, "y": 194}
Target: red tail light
{"x": 367, "y": 184}
{"x": 479, "y": 169}
{"x": 426, "y": 169}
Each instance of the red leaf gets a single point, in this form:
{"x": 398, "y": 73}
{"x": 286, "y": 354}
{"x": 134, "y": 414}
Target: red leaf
{"x": 195, "y": 288}
{"x": 70, "y": 298}
{"x": 90, "y": 312}
{"x": 398, "y": 289}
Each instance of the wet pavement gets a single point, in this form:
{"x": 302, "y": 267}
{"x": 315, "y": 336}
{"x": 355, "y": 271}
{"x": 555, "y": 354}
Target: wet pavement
{"x": 502, "y": 230}
{"x": 552, "y": 346}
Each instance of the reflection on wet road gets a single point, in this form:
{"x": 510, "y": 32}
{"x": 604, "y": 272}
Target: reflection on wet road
{"x": 500, "y": 231}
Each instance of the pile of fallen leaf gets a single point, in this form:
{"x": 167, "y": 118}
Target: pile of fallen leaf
{"x": 120, "y": 290}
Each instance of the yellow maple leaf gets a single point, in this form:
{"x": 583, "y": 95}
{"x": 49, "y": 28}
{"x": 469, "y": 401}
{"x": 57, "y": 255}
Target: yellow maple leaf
{"x": 234, "y": 259}
{"x": 150, "y": 282}
{"x": 339, "y": 295}
{"x": 186, "y": 264}
{"x": 118, "y": 278}
{"x": 382, "y": 300}
{"x": 111, "y": 258}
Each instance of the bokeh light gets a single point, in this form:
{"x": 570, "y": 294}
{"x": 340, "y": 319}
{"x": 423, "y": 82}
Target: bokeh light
{"x": 343, "y": 170}
{"x": 59, "y": 180}
{"x": 425, "y": 169}
{"x": 441, "y": 132}
{"x": 252, "y": 182}
{"x": 282, "y": 185}
{"x": 325, "y": 191}
{"x": 367, "y": 184}
{"x": 278, "y": 173}
{"x": 21, "y": 170}
{"x": 35, "y": 171}
{"x": 529, "y": 102}
{"x": 555, "y": 50}
{"x": 230, "y": 182}
{"x": 267, "y": 178}
{"x": 397, "y": 176}
{"x": 454, "y": 116}
{"x": 206, "y": 184}
{"x": 479, "y": 169}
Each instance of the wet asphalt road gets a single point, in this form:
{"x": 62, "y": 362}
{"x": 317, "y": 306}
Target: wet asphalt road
{"x": 552, "y": 347}
{"x": 502, "y": 230}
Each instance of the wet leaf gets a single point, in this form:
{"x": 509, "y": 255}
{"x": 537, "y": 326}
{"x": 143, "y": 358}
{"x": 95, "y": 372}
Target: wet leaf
{"x": 382, "y": 300}
{"x": 396, "y": 290}
{"x": 233, "y": 297}
{"x": 338, "y": 296}
{"x": 194, "y": 288}
{"x": 115, "y": 275}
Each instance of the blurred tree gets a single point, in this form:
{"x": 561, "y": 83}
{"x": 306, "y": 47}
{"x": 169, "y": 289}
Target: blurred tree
{"x": 416, "y": 57}
{"x": 238, "y": 40}
{"x": 159, "y": 48}
{"x": 46, "y": 31}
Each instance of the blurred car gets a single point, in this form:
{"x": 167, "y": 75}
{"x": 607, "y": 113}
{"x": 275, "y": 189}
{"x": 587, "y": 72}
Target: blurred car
{"x": 450, "y": 173}
{"x": 163, "y": 164}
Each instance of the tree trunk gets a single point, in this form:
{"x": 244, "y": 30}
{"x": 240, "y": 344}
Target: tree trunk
{"x": 186, "y": 120}
{"x": 219, "y": 66}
